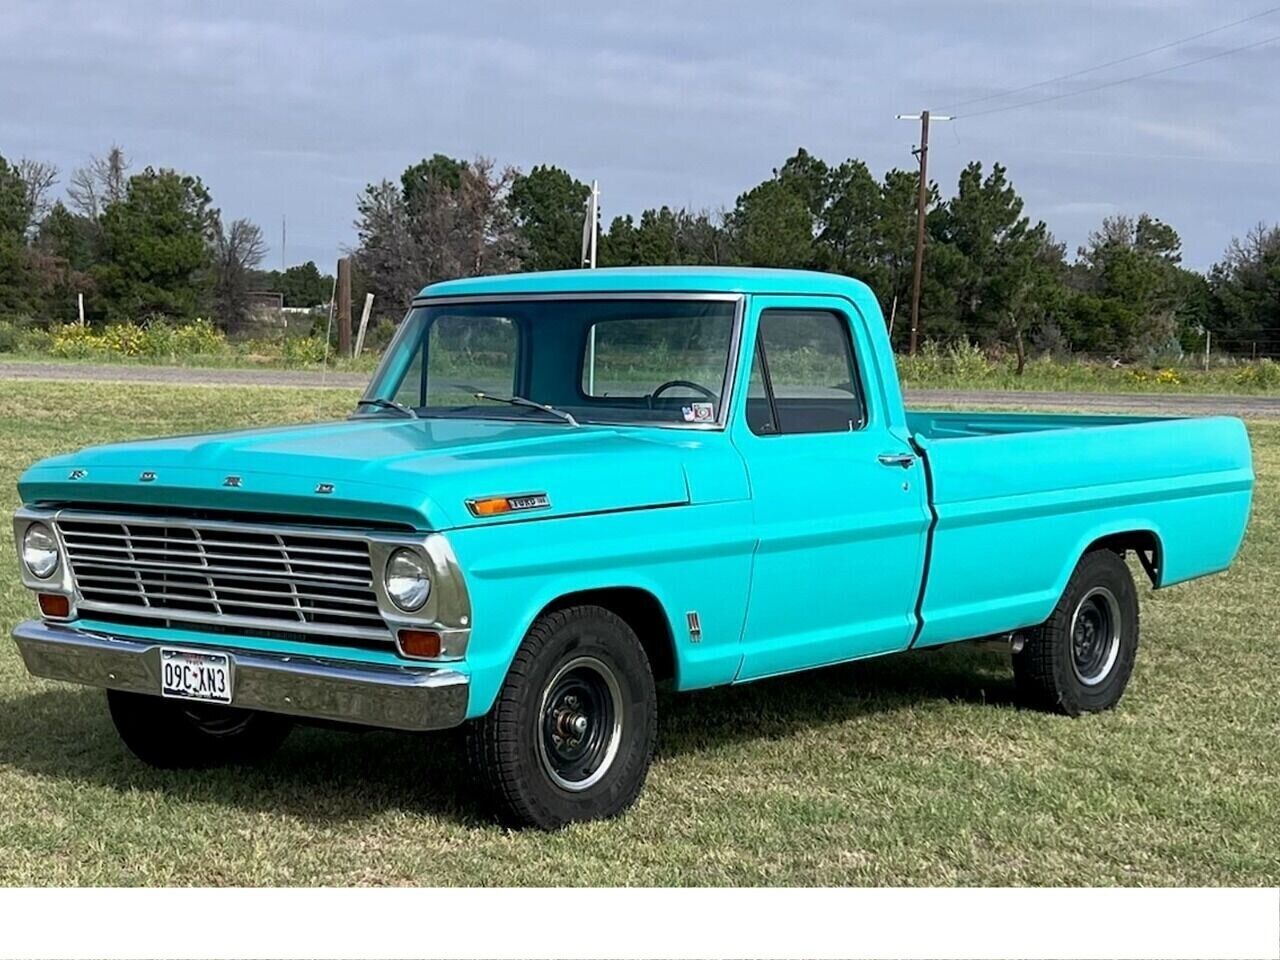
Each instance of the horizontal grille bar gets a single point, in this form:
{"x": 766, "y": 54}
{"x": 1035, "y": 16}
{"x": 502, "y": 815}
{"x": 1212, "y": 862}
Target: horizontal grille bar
{"x": 224, "y": 565}
{"x": 136, "y": 538}
{"x": 252, "y": 577}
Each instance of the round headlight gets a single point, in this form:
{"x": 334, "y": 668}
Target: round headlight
{"x": 406, "y": 580}
{"x": 40, "y": 550}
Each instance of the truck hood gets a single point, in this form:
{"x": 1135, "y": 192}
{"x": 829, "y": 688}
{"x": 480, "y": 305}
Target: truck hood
{"x": 418, "y": 473}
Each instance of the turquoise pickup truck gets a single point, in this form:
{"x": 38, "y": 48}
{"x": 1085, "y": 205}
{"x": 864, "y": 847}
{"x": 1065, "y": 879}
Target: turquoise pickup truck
{"x": 562, "y": 489}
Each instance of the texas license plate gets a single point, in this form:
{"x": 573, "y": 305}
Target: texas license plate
{"x": 191, "y": 675}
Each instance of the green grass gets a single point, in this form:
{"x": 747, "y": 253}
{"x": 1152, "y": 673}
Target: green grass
{"x": 908, "y": 770}
{"x": 234, "y": 359}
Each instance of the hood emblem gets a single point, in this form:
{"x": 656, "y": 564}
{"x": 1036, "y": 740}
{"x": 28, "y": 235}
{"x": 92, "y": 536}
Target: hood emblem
{"x": 495, "y": 506}
{"x": 324, "y": 488}
{"x": 77, "y": 474}
{"x": 232, "y": 481}
{"x": 146, "y": 476}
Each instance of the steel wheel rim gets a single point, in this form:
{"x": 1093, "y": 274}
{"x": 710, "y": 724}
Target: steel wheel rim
{"x": 580, "y": 724}
{"x": 1095, "y": 636}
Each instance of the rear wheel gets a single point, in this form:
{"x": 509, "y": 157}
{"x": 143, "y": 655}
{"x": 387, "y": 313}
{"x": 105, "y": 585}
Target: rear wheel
{"x": 571, "y": 735}
{"x": 1080, "y": 659}
{"x": 172, "y": 734}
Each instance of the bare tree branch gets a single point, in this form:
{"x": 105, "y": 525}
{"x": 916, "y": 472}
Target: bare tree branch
{"x": 100, "y": 183}
{"x": 238, "y": 251}
{"x": 39, "y": 178}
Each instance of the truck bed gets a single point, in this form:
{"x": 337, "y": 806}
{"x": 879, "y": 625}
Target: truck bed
{"x": 950, "y": 424}
{"x": 1014, "y": 495}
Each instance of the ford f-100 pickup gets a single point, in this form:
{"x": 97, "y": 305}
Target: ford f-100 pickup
{"x": 563, "y": 488}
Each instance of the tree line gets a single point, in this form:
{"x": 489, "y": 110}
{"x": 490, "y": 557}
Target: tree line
{"x": 150, "y": 243}
{"x": 138, "y": 246}
{"x": 992, "y": 276}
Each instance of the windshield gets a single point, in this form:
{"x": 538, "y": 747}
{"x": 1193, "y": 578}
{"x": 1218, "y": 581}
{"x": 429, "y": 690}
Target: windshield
{"x": 641, "y": 361}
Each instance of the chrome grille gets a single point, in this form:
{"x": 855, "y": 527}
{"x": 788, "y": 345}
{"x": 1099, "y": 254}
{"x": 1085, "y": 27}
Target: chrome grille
{"x": 223, "y": 573}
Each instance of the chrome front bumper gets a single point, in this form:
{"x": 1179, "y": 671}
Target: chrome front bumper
{"x": 378, "y": 695}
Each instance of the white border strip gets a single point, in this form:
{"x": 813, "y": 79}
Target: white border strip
{"x": 823, "y": 923}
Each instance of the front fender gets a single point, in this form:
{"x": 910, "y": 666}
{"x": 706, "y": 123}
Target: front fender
{"x": 691, "y": 558}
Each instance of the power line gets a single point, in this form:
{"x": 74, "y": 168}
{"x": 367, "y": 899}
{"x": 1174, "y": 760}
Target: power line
{"x": 1116, "y": 83}
{"x": 1114, "y": 63}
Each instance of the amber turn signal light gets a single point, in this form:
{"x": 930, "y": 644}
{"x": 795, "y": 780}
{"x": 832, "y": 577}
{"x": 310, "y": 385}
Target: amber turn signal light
{"x": 425, "y": 644}
{"x": 490, "y": 506}
{"x": 54, "y": 605}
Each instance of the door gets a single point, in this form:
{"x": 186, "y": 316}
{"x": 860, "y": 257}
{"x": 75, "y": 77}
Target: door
{"x": 841, "y": 508}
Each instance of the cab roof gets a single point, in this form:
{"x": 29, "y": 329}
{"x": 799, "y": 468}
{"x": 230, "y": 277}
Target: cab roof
{"x": 654, "y": 279}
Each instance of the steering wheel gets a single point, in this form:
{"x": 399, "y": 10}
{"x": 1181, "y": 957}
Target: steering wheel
{"x": 688, "y": 384}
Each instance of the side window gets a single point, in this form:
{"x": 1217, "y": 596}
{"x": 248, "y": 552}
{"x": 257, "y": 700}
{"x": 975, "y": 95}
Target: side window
{"x": 803, "y": 377}
{"x": 463, "y": 355}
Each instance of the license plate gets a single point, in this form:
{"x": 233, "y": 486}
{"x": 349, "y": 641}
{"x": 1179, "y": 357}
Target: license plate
{"x": 191, "y": 675}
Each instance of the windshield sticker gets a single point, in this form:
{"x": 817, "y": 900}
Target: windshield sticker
{"x": 699, "y": 413}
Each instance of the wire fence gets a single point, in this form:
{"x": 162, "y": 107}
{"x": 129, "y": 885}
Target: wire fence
{"x": 1247, "y": 349}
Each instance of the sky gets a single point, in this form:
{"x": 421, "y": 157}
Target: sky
{"x": 288, "y": 109}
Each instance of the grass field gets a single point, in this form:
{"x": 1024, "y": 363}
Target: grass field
{"x": 911, "y": 770}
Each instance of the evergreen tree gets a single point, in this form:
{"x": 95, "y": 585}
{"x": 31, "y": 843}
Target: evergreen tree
{"x": 157, "y": 248}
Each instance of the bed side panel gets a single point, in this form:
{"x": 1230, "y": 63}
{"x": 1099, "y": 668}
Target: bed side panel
{"x": 1016, "y": 511}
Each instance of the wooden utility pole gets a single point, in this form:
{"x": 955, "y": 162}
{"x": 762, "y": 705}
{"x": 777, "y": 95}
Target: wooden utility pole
{"x": 344, "y": 307}
{"x": 591, "y": 226}
{"x": 922, "y": 201}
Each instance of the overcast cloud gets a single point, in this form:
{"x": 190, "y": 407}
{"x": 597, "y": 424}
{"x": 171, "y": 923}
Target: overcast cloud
{"x": 290, "y": 108}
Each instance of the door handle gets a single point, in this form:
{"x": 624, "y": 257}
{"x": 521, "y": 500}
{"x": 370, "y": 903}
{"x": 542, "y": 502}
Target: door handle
{"x": 904, "y": 460}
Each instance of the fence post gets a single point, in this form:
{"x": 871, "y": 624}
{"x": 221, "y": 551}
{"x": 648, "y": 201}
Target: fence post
{"x": 364, "y": 322}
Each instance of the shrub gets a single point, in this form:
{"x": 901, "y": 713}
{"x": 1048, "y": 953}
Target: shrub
{"x": 967, "y": 363}
{"x": 303, "y": 351}
{"x": 198, "y": 338}
{"x": 125, "y": 340}
{"x": 34, "y": 340}
{"x": 959, "y": 363}
{"x": 75, "y": 341}
{"x": 129, "y": 341}
{"x": 1264, "y": 375}
{"x": 1167, "y": 377}
{"x": 10, "y": 336}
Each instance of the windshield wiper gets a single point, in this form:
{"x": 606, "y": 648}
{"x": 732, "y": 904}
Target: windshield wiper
{"x": 522, "y": 402}
{"x": 384, "y": 404}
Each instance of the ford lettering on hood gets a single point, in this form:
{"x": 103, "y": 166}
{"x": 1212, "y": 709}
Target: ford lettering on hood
{"x": 418, "y": 473}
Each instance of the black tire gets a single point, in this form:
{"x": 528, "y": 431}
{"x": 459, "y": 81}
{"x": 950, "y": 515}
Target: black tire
{"x": 172, "y": 735}
{"x": 548, "y": 752}
{"x": 1080, "y": 659}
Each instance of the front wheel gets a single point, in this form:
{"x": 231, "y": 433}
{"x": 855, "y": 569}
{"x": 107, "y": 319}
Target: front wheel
{"x": 572, "y": 732}
{"x": 1080, "y": 659}
{"x": 175, "y": 734}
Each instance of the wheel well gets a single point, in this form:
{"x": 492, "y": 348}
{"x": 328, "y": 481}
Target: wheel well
{"x": 642, "y": 613}
{"x": 1144, "y": 543}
